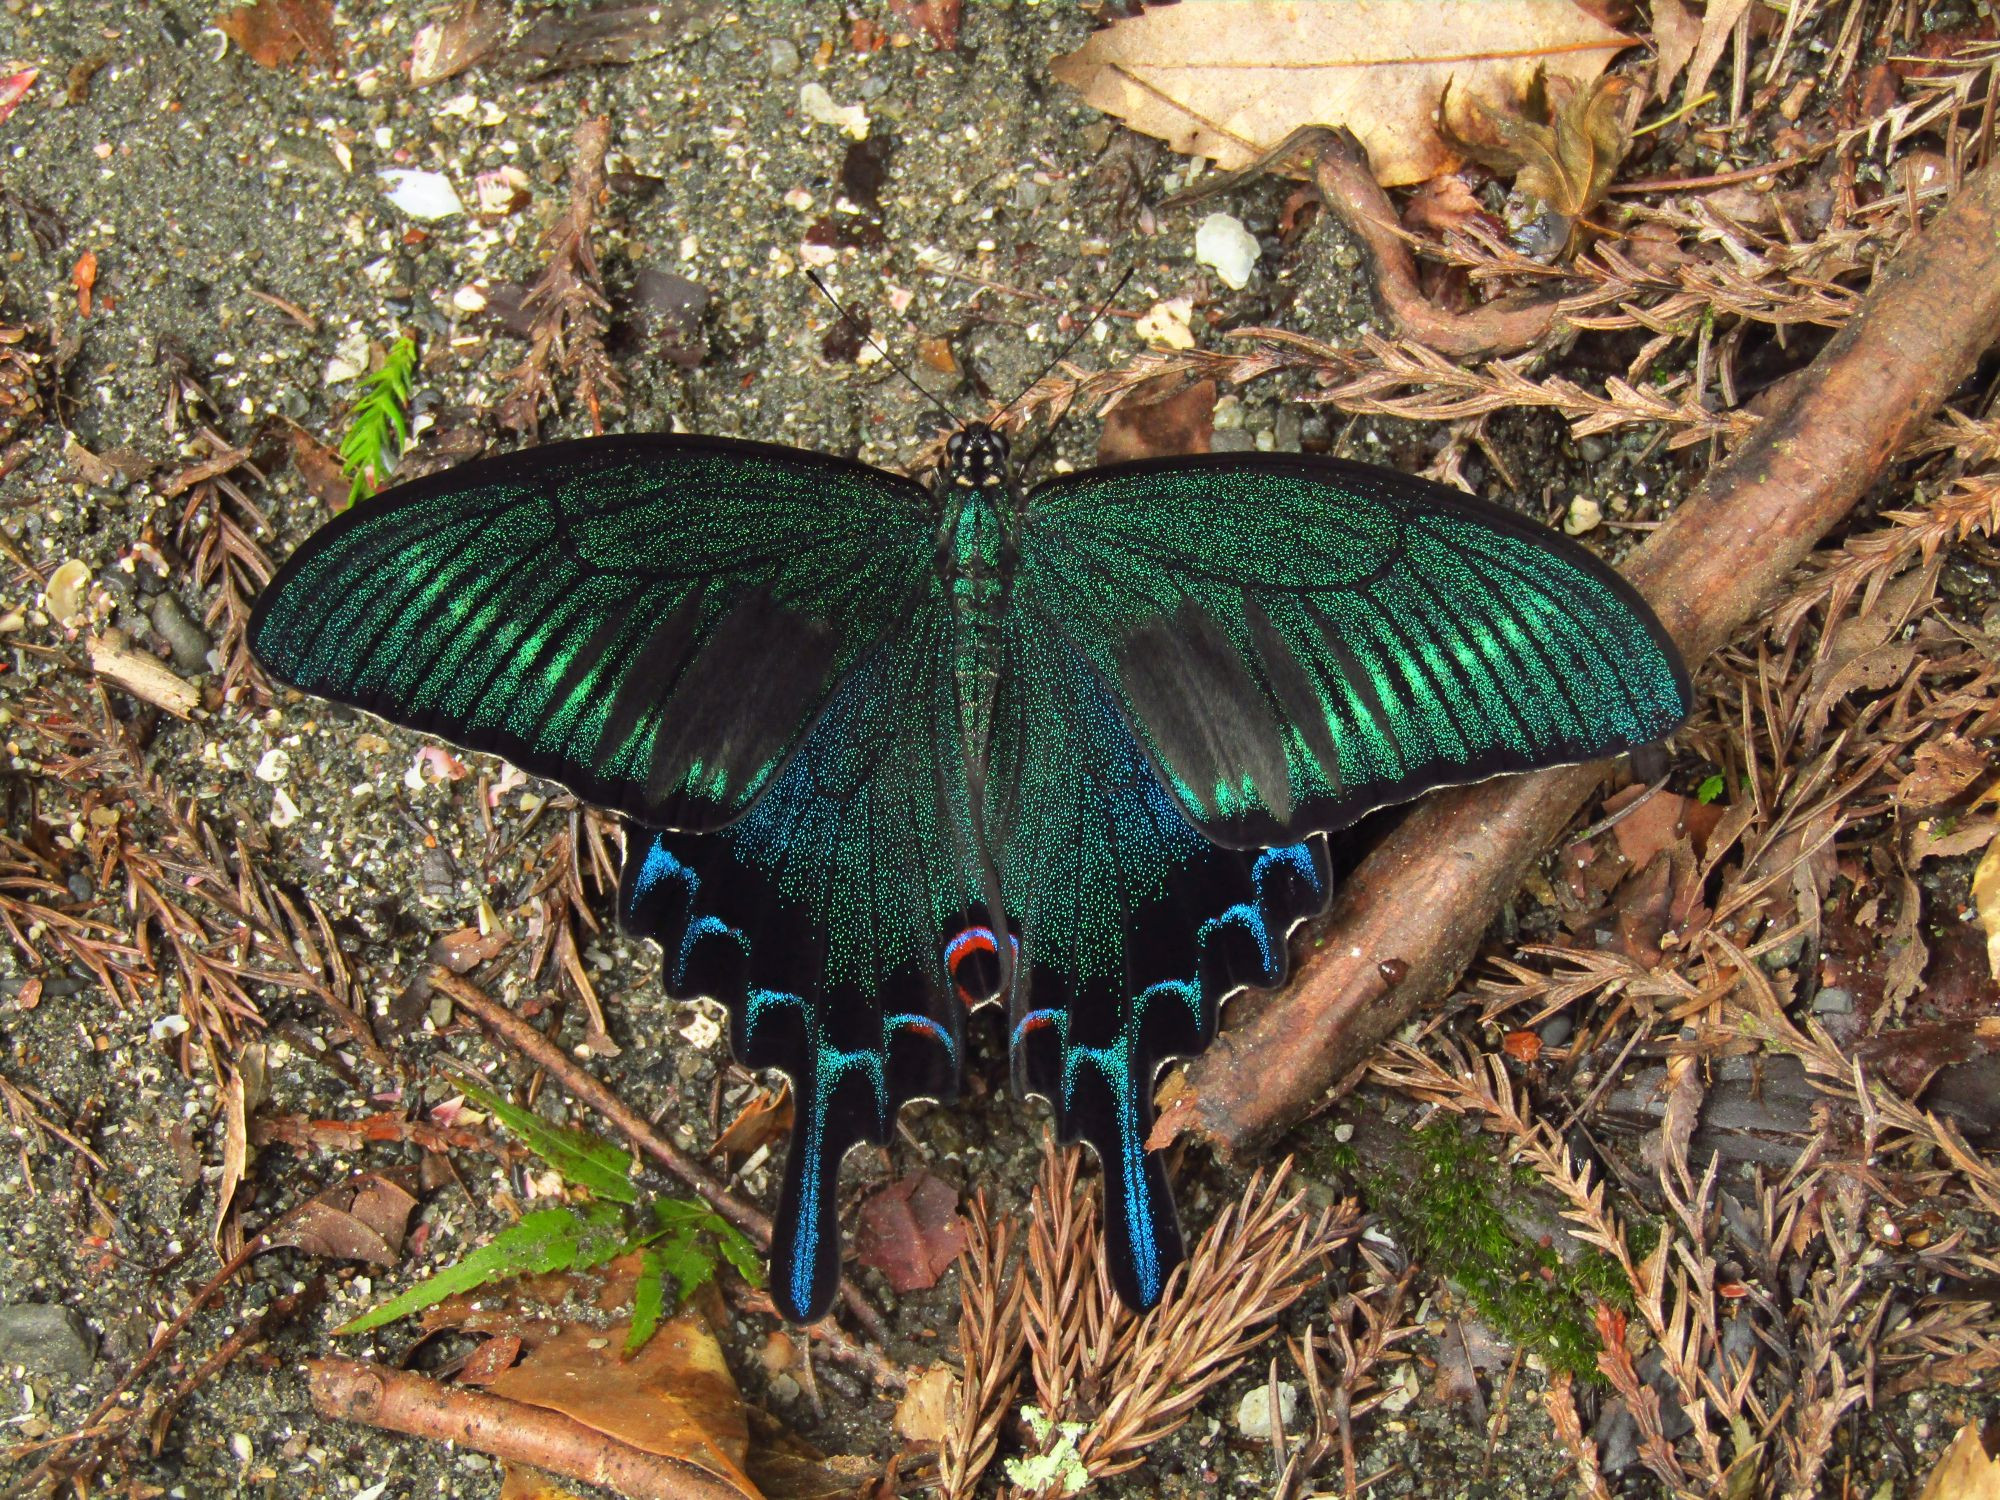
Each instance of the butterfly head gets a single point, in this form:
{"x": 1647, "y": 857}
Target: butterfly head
{"x": 976, "y": 456}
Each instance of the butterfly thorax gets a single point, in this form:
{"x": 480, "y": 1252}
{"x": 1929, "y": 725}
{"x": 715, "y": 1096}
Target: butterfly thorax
{"x": 976, "y": 559}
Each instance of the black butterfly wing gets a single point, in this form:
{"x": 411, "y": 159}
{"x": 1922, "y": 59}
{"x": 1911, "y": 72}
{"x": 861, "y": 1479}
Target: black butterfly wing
{"x": 653, "y": 621}
{"x": 1132, "y": 926}
{"x": 835, "y": 919}
{"x": 1298, "y": 641}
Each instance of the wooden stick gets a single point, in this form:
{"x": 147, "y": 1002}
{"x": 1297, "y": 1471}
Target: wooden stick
{"x": 353, "y": 1390}
{"x": 1408, "y": 921}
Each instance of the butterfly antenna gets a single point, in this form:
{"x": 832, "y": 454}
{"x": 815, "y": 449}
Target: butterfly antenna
{"x": 1049, "y": 432}
{"x": 1075, "y": 339}
{"x": 889, "y": 359}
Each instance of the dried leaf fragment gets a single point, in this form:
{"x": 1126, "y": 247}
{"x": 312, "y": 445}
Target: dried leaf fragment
{"x": 1562, "y": 148}
{"x": 444, "y": 49}
{"x": 1986, "y": 903}
{"x": 1231, "y": 81}
{"x": 1969, "y": 1469}
{"x": 911, "y": 1231}
{"x": 277, "y": 32}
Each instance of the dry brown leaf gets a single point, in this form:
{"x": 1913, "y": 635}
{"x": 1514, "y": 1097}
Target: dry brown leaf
{"x": 925, "y": 1410}
{"x": 1147, "y": 425}
{"x": 1562, "y": 147}
{"x": 357, "y": 1220}
{"x": 1675, "y": 31}
{"x": 444, "y": 49}
{"x": 675, "y": 1397}
{"x": 277, "y": 32}
{"x": 1230, "y": 81}
{"x": 1941, "y": 771}
{"x": 911, "y": 1231}
{"x": 1986, "y": 903}
{"x": 1716, "y": 25}
{"x": 1969, "y": 1470}
{"x": 764, "y": 1120}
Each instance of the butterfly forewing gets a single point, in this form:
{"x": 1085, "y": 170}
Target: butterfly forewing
{"x": 1297, "y": 642}
{"x": 654, "y": 621}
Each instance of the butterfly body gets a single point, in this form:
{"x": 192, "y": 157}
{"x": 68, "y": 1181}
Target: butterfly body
{"x": 895, "y": 751}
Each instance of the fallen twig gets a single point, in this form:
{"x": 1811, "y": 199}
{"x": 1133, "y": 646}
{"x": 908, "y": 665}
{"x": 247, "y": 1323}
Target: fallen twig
{"x": 354, "y": 1390}
{"x": 1708, "y": 570}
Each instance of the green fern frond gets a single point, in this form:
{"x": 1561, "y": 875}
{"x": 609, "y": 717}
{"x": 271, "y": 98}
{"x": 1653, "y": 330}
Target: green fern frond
{"x": 379, "y": 429}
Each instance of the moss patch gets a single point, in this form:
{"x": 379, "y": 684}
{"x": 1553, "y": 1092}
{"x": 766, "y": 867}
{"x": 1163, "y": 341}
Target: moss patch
{"x": 1450, "y": 1214}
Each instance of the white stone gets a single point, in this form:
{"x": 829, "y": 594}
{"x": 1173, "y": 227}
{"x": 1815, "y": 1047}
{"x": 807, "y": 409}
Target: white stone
{"x": 1223, "y": 243}
{"x": 421, "y": 195}
{"x": 819, "y": 106}
{"x": 1585, "y": 514}
{"x": 1253, "y": 1412}
{"x": 1167, "y": 323}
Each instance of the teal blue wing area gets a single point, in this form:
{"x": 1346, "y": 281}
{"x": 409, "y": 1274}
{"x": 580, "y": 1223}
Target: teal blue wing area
{"x": 1132, "y": 926}
{"x": 654, "y": 621}
{"x": 1298, "y": 641}
{"x": 836, "y": 920}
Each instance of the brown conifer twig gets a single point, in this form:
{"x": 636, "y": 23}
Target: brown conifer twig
{"x": 1722, "y": 557}
{"x": 354, "y": 1390}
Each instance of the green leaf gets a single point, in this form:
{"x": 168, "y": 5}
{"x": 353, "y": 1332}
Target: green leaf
{"x": 553, "y": 1239}
{"x": 379, "y": 429}
{"x": 649, "y": 1300}
{"x": 1710, "y": 789}
{"x": 737, "y": 1249}
{"x": 583, "y": 1160}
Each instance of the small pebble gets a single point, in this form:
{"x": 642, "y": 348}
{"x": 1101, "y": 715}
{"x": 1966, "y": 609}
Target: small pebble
{"x": 47, "y": 1339}
{"x": 1833, "y": 1001}
{"x": 182, "y": 633}
{"x": 421, "y": 195}
{"x": 1223, "y": 243}
{"x": 69, "y": 587}
{"x": 1253, "y": 1412}
{"x": 782, "y": 57}
{"x": 1585, "y": 514}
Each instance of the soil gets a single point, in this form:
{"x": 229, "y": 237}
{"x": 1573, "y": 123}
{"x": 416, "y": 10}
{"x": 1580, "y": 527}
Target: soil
{"x": 213, "y": 192}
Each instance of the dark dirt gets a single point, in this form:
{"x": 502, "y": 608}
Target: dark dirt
{"x": 199, "y": 180}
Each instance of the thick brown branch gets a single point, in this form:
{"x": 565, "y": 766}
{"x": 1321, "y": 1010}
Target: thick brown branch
{"x": 1408, "y": 921}
{"x": 353, "y": 1390}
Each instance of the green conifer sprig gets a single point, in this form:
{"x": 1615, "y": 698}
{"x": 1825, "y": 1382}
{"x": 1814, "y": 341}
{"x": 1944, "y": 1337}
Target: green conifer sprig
{"x": 379, "y": 429}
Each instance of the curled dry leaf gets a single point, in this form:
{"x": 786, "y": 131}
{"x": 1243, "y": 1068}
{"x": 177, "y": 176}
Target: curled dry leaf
{"x": 1562, "y": 147}
{"x": 359, "y": 1220}
{"x": 1230, "y": 82}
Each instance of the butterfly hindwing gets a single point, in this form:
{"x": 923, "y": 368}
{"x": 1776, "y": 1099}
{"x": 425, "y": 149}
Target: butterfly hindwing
{"x": 1298, "y": 641}
{"x": 653, "y": 621}
{"x": 829, "y": 920}
{"x": 1132, "y": 926}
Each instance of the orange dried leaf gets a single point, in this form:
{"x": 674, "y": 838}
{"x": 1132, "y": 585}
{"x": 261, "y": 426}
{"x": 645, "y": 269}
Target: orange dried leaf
{"x": 1562, "y": 148}
{"x": 277, "y": 32}
{"x": 1231, "y": 82}
{"x": 764, "y": 1120}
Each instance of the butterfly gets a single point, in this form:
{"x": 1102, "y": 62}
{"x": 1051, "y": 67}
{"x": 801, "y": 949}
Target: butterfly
{"x": 897, "y": 750}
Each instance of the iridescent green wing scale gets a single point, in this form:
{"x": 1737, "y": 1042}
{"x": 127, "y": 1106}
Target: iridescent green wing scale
{"x": 1132, "y": 926}
{"x": 654, "y": 621}
{"x": 834, "y": 920}
{"x": 1297, "y": 641}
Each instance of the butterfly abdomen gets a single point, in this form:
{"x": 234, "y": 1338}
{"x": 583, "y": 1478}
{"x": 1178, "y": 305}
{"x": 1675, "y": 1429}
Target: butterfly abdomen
{"x": 976, "y": 558}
